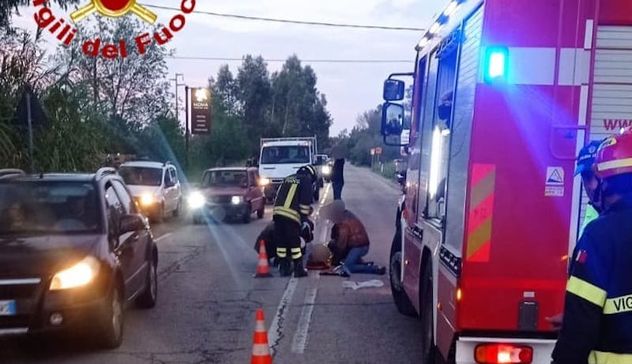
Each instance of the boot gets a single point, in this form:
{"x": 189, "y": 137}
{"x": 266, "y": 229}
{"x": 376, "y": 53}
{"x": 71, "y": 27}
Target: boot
{"x": 284, "y": 267}
{"x": 299, "y": 271}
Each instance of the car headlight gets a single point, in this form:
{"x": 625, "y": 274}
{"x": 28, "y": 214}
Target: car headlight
{"x": 264, "y": 182}
{"x": 147, "y": 199}
{"x": 326, "y": 170}
{"x": 236, "y": 200}
{"x": 196, "y": 200}
{"x": 79, "y": 275}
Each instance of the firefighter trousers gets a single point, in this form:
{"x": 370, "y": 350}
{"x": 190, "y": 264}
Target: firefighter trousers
{"x": 287, "y": 237}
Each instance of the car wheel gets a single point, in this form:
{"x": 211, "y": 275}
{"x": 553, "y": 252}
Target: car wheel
{"x": 261, "y": 212}
{"x": 246, "y": 218}
{"x": 149, "y": 298}
{"x": 402, "y": 302}
{"x": 109, "y": 330}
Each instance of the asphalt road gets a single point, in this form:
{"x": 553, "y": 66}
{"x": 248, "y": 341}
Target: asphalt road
{"x": 208, "y": 297}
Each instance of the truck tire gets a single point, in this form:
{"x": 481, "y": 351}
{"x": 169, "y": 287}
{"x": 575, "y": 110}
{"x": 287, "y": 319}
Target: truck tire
{"x": 402, "y": 302}
{"x": 426, "y": 308}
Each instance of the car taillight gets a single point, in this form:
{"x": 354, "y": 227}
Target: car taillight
{"x": 503, "y": 353}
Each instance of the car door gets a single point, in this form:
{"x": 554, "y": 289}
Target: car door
{"x": 171, "y": 191}
{"x": 139, "y": 239}
{"x": 177, "y": 187}
{"x": 254, "y": 193}
{"x": 122, "y": 243}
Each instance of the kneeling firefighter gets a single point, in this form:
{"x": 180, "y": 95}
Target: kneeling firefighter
{"x": 291, "y": 208}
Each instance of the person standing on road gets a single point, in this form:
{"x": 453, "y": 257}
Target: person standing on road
{"x": 337, "y": 177}
{"x": 598, "y": 309}
{"x": 349, "y": 241}
{"x": 291, "y": 208}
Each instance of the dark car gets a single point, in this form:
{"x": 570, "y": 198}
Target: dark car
{"x": 227, "y": 193}
{"x": 74, "y": 252}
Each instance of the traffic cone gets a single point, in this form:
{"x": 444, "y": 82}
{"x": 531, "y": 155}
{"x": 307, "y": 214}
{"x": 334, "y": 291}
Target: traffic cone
{"x": 263, "y": 269}
{"x": 260, "y": 348}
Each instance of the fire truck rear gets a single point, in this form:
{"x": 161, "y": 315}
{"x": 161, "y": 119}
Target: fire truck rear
{"x": 506, "y": 92}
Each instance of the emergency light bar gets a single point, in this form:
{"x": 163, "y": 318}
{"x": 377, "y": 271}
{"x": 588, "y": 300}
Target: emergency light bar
{"x": 440, "y": 21}
{"x": 496, "y": 64}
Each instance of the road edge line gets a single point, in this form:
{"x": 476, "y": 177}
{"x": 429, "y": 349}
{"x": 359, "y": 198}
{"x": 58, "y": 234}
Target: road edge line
{"x": 276, "y": 327}
{"x": 299, "y": 342}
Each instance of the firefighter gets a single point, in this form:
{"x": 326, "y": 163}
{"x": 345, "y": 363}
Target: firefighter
{"x": 291, "y": 208}
{"x": 267, "y": 237}
{"x": 598, "y": 305}
{"x": 585, "y": 168}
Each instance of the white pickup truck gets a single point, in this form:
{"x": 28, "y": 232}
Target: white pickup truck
{"x": 282, "y": 157}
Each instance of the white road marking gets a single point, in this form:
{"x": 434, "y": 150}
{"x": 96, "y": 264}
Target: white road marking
{"x": 162, "y": 237}
{"x": 276, "y": 327}
{"x": 300, "y": 337}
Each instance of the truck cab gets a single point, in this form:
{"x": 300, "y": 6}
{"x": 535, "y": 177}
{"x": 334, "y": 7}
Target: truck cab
{"x": 282, "y": 157}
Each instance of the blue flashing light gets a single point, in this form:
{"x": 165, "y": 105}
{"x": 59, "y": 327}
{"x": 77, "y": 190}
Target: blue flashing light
{"x": 496, "y": 64}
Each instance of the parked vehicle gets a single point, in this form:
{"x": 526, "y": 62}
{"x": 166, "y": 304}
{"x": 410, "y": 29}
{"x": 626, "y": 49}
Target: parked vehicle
{"x": 155, "y": 187}
{"x": 228, "y": 193}
{"x": 282, "y": 157}
{"x": 503, "y": 95}
{"x": 323, "y": 168}
{"x": 74, "y": 252}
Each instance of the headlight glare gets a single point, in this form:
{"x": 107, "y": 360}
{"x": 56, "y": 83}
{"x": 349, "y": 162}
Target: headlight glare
{"x": 147, "y": 199}
{"x": 196, "y": 200}
{"x": 264, "y": 181}
{"x": 76, "y": 276}
{"x": 236, "y": 200}
{"x": 326, "y": 170}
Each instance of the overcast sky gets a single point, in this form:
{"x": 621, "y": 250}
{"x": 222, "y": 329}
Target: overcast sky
{"x": 350, "y": 88}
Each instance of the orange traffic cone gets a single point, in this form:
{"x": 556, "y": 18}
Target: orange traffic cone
{"x": 260, "y": 348}
{"x": 263, "y": 268}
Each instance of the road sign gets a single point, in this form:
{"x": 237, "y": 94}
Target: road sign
{"x": 200, "y": 111}
{"x": 378, "y": 150}
{"x": 372, "y": 151}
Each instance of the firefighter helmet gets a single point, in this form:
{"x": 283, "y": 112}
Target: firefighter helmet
{"x": 614, "y": 157}
{"x": 308, "y": 170}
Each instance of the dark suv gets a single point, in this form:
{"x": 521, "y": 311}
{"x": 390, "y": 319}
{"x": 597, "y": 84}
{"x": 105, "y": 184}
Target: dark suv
{"x": 74, "y": 251}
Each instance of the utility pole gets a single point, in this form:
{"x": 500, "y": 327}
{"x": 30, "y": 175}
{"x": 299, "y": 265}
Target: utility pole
{"x": 178, "y": 85}
{"x": 29, "y": 120}
{"x": 187, "y": 129}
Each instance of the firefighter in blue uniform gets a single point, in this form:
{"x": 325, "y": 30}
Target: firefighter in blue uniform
{"x": 597, "y": 325}
{"x": 291, "y": 208}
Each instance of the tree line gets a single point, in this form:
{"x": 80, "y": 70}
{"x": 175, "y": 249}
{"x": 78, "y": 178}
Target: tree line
{"x": 94, "y": 107}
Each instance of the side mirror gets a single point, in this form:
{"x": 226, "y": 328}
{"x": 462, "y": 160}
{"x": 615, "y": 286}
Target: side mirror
{"x": 394, "y": 90}
{"x": 393, "y": 125}
{"x": 131, "y": 223}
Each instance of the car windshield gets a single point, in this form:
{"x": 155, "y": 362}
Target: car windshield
{"x": 48, "y": 207}
{"x": 141, "y": 176}
{"x": 294, "y": 154}
{"x": 225, "y": 179}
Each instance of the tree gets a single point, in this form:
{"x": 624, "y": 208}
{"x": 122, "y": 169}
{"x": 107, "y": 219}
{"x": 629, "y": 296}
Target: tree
{"x": 226, "y": 91}
{"x": 9, "y": 7}
{"x": 134, "y": 88}
{"x": 299, "y": 109}
{"x": 255, "y": 96}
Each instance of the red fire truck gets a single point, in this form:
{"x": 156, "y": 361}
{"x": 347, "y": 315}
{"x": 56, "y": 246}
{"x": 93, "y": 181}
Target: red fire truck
{"x": 506, "y": 92}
